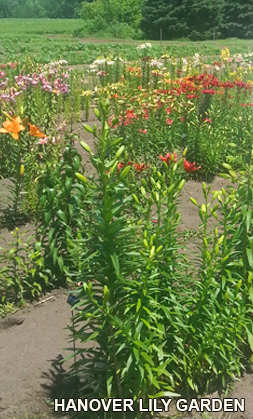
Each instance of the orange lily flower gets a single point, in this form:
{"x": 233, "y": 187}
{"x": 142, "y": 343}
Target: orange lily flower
{"x": 35, "y": 132}
{"x": 12, "y": 127}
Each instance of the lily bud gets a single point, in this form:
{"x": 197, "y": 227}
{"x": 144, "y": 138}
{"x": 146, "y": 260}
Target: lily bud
{"x": 184, "y": 152}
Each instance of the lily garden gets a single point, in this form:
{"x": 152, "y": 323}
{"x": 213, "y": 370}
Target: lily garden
{"x": 153, "y": 318}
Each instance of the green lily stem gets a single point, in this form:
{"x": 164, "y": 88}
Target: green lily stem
{"x": 17, "y": 186}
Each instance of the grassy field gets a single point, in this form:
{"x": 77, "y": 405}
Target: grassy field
{"x": 53, "y": 39}
{"x": 39, "y": 26}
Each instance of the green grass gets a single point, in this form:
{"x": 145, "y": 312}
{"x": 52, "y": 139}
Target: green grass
{"x": 52, "y": 39}
{"x": 39, "y": 26}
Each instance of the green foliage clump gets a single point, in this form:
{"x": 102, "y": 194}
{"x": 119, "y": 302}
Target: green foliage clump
{"x": 123, "y": 18}
{"x": 161, "y": 323}
{"x": 197, "y": 20}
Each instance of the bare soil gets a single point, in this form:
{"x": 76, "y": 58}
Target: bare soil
{"x": 34, "y": 339}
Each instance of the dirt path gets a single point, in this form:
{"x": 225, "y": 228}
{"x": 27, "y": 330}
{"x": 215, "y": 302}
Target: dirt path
{"x": 30, "y": 341}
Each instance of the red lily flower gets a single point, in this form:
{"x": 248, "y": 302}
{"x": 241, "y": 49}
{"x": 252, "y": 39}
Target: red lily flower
{"x": 209, "y": 91}
{"x": 120, "y": 165}
{"x": 140, "y": 167}
{"x": 190, "y": 167}
{"x": 167, "y": 158}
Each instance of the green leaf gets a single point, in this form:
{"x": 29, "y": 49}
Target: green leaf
{"x": 251, "y": 242}
{"x": 210, "y": 362}
{"x": 137, "y": 331}
{"x": 248, "y": 220}
{"x": 138, "y": 305}
{"x": 11, "y": 253}
{"x": 129, "y": 362}
{"x": 71, "y": 210}
{"x": 115, "y": 263}
{"x": 110, "y": 163}
{"x": 50, "y": 236}
{"x": 51, "y": 192}
{"x": 250, "y": 257}
{"x": 68, "y": 184}
{"x": 165, "y": 394}
{"x": 251, "y": 295}
{"x": 147, "y": 366}
{"x": 146, "y": 323}
{"x": 109, "y": 384}
{"x": 244, "y": 210}
{"x": 42, "y": 200}
{"x": 116, "y": 141}
{"x": 121, "y": 348}
{"x": 47, "y": 216}
{"x": 147, "y": 358}
{"x": 60, "y": 262}
{"x": 136, "y": 354}
{"x": 55, "y": 253}
{"x": 250, "y": 340}
{"x": 189, "y": 381}
{"x": 52, "y": 245}
{"x": 62, "y": 215}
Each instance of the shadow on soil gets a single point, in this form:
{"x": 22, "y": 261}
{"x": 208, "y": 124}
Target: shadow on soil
{"x": 62, "y": 385}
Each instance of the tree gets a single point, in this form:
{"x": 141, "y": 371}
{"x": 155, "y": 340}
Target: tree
{"x": 170, "y": 16}
{"x": 122, "y": 11}
{"x": 195, "y": 19}
{"x": 29, "y": 9}
{"x": 204, "y": 17}
{"x": 5, "y": 9}
{"x": 238, "y": 19}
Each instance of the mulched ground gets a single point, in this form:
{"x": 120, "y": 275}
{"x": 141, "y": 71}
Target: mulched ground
{"x": 33, "y": 339}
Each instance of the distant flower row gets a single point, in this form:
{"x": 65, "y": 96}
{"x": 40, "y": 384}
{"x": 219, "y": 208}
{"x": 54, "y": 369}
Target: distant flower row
{"x": 50, "y": 79}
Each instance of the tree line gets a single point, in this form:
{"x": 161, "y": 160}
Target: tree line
{"x": 197, "y": 19}
{"x": 193, "y": 19}
{"x": 53, "y": 9}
